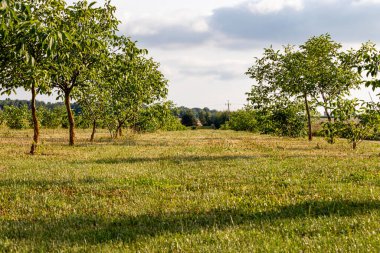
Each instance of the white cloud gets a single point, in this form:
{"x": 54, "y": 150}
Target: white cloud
{"x": 269, "y": 6}
{"x": 366, "y": 1}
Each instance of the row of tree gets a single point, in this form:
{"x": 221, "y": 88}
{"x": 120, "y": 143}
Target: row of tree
{"x": 47, "y": 46}
{"x": 51, "y": 116}
{"x": 163, "y": 116}
{"x": 293, "y": 82}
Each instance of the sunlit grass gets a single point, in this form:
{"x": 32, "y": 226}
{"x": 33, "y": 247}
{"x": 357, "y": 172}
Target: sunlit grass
{"x": 191, "y": 191}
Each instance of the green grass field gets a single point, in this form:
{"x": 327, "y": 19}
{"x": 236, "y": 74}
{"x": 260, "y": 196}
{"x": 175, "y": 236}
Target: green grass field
{"x": 191, "y": 191}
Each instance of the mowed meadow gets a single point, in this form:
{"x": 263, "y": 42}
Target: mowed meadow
{"x": 187, "y": 191}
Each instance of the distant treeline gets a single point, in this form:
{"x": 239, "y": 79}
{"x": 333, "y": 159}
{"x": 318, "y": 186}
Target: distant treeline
{"x": 47, "y": 105}
{"x": 53, "y": 115}
{"x": 201, "y": 117}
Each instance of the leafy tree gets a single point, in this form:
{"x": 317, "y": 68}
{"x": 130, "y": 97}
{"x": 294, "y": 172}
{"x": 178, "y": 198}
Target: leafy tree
{"x": 52, "y": 118}
{"x": 331, "y": 71}
{"x": 28, "y": 33}
{"x": 317, "y": 72}
{"x": 86, "y": 31}
{"x": 133, "y": 83}
{"x": 93, "y": 100}
{"x": 218, "y": 119}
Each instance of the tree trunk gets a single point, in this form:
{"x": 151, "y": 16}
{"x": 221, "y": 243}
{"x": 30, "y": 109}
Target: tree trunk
{"x": 71, "y": 119}
{"x": 93, "y": 130}
{"x": 354, "y": 145}
{"x": 119, "y": 130}
{"x": 308, "y": 118}
{"x": 328, "y": 115}
{"x": 36, "y": 127}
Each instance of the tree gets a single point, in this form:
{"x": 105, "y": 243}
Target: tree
{"x": 332, "y": 71}
{"x": 281, "y": 76}
{"x": 316, "y": 71}
{"x": 158, "y": 116}
{"x": 86, "y": 34}
{"x": 93, "y": 99}
{"x": 188, "y": 119}
{"x": 28, "y": 33}
{"x": 133, "y": 82}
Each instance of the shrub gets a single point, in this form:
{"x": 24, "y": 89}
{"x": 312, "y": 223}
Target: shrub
{"x": 17, "y": 117}
{"x": 243, "y": 120}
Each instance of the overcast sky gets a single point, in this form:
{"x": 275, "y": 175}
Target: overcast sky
{"x": 206, "y": 46}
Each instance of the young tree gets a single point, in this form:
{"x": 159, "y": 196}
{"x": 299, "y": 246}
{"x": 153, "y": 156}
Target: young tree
{"x": 317, "y": 72}
{"x": 16, "y": 117}
{"x": 86, "y": 34}
{"x": 133, "y": 82}
{"x": 28, "y": 34}
{"x": 355, "y": 122}
{"x": 332, "y": 73}
{"x": 93, "y": 99}
{"x": 281, "y": 76}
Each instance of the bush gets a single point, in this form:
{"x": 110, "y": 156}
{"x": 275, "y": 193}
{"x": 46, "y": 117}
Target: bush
{"x": 172, "y": 123}
{"x": 289, "y": 120}
{"x": 17, "y": 117}
{"x": 158, "y": 117}
{"x": 242, "y": 120}
{"x": 52, "y": 118}
{"x": 354, "y": 122}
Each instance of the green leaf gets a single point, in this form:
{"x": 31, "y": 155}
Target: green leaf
{"x": 67, "y": 36}
{"x": 51, "y": 43}
{"x": 91, "y": 4}
{"x": 59, "y": 34}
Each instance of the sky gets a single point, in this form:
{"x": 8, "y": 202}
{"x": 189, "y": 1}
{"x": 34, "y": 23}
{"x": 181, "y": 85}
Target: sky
{"x": 206, "y": 46}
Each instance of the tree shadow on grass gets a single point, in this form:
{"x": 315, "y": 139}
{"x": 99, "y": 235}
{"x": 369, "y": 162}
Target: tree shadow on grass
{"x": 175, "y": 159}
{"x": 94, "y": 230}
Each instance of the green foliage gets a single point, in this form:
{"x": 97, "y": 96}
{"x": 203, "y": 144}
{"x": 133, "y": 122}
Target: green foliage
{"x": 134, "y": 83}
{"x": 74, "y": 49}
{"x": 243, "y": 120}
{"x": 367, "y": 62}
{"x": 52, "y": 118}
{"x": 218, "y": 119}
{"x": 188, "y": 119}
{"x": 16, "y": 117}
{"x": 172, "y": 123}
{"x": 288, "y": 119}
{"x": 284, "y": 118}
{"x": 353, "y": 121}
{"x": 158, "y": 117}
{"x": 317, "y": 72}
{"x": 330, "y": 130}
{"x": 2, "y": 117}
